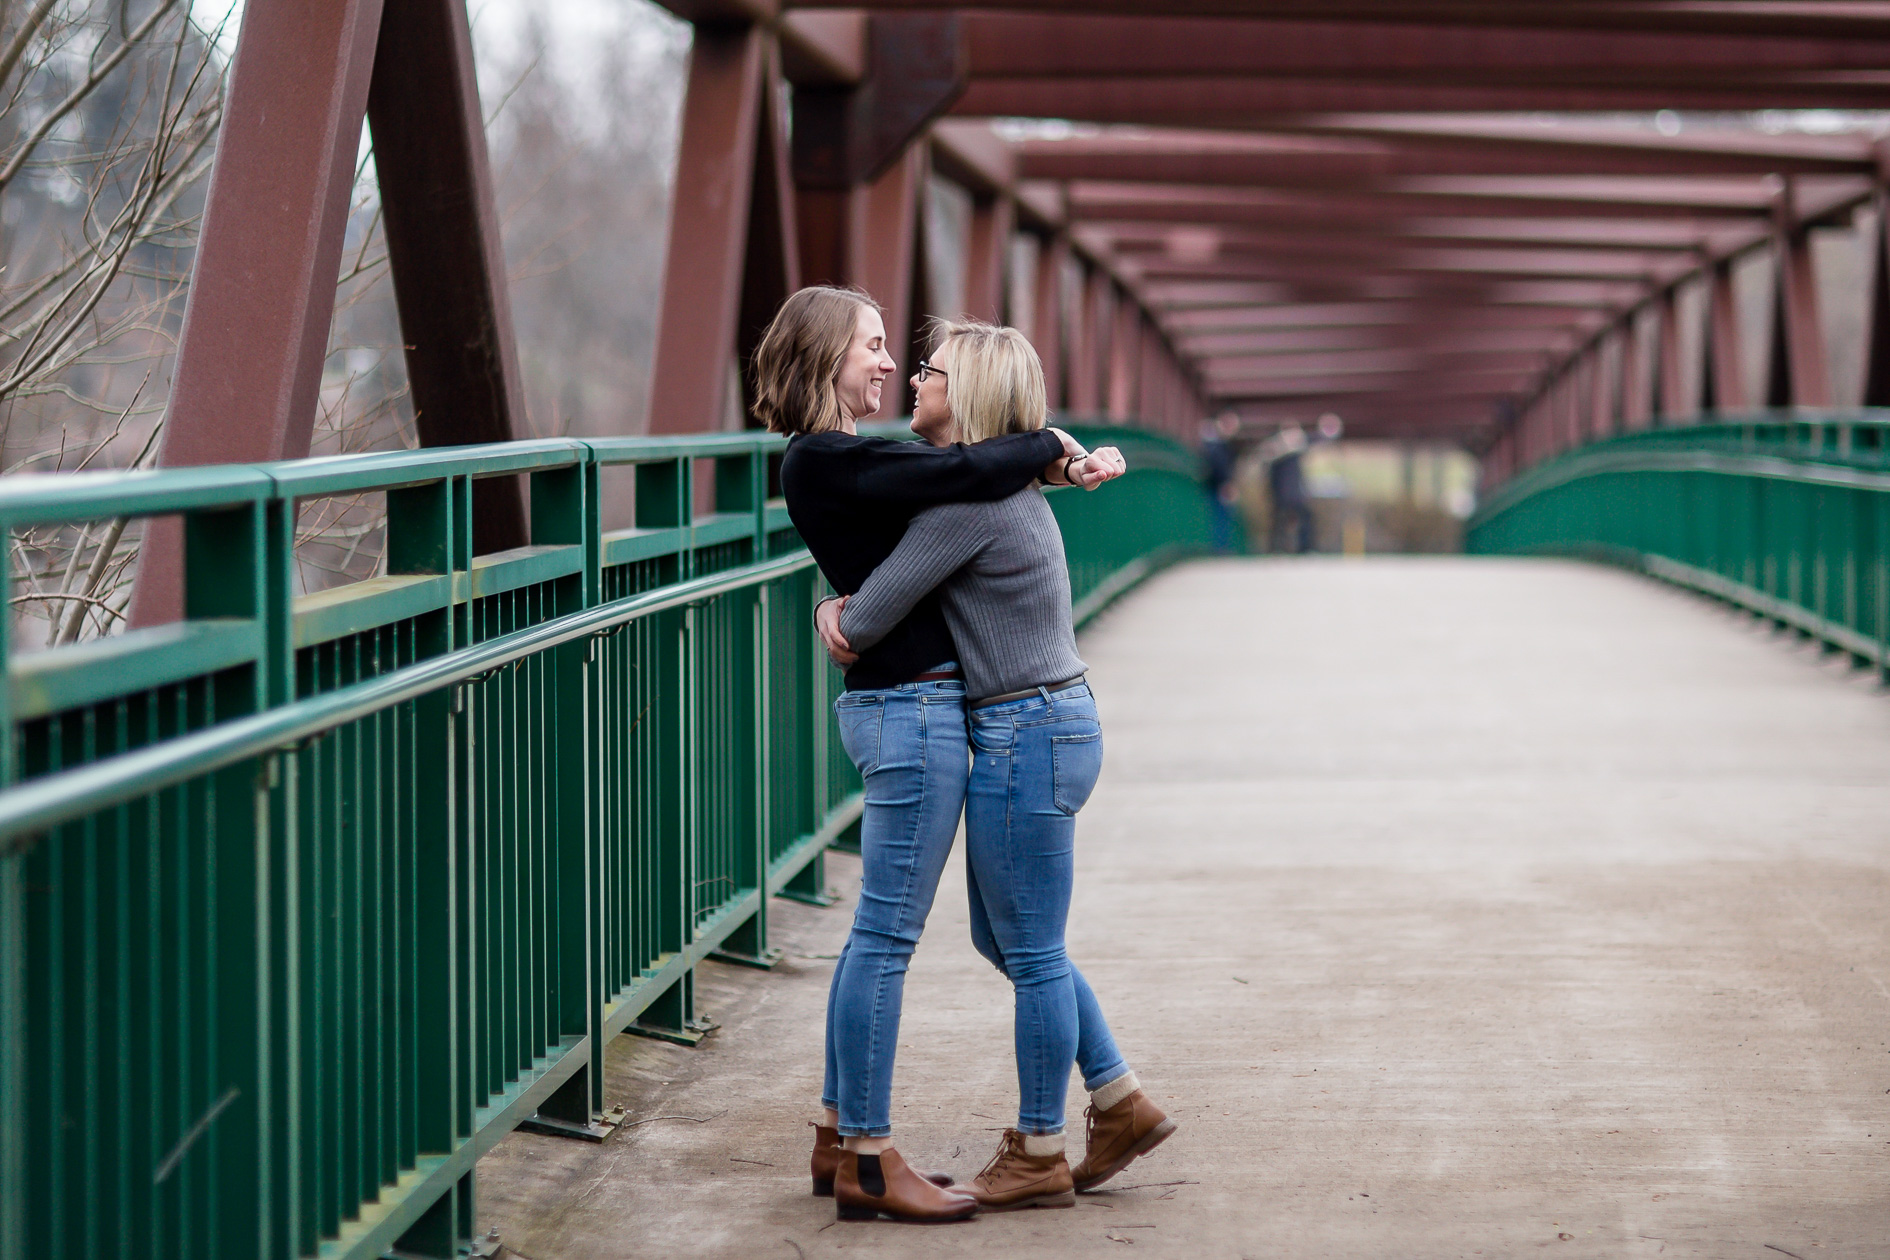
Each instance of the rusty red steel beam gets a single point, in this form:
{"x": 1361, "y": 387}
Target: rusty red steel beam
{"x": 725, "y": 144}
{"x": 1786, "y": 18}
{"x": 1047, "y": 326}
{"x": 1125, "y": 353}
{"x": 248, "y": 374}
{"x": 1017, "y": 46}
{"x": 987, "y": 250}
{"x": 1877, "y": 340}
{"x": 1412, "y": 385}
{"x": 1669, "y": 237}
{"x": 1299, "y": 160}
{"x": 891, "y": 260}
{"x": 1089, "y": 350}
{"x": 445, "y": 253}
{"x": 1379, "y": 337}
{"x": 1725, "y": 376}
{"x": 1152, "y": 258}
{"x": 1242, "y": 101}
{"x": 1106, "y": 202}
{"x": 1181, "y": 321}
{"x": 1716, "y": 148}
{"x": 1803, "y": 351}
{"x": 1402, "y": 362}
{"x": 1516, "y": 287}
{"x": 263, "y": 283}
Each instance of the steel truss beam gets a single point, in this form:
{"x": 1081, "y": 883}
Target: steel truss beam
{"x": 256, "y": 330}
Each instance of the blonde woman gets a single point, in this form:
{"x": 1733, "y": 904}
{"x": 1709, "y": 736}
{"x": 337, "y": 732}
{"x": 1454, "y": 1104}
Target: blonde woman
{"x": 820, "y": 368}
{"x": 1036, "y": 750}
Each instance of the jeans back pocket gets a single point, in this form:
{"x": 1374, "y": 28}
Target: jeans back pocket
{"x": 1076, "y": 762}
{"x": 860, "y": 721}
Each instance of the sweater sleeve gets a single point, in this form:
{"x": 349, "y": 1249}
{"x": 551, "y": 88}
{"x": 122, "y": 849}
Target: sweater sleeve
{"x": 939, "y": 542}
{"x": 919, "y": 474}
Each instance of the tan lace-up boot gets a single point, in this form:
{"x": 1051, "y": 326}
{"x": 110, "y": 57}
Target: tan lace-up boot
{"x": 1015, "y": 1180}
{"x": 1113, "y": 1138}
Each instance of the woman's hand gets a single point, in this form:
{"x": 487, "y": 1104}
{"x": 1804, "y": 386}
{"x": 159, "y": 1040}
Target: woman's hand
{"x": 1052, "y": 474}
{"x": 827, "y": 621}
{"x": 1105, "y": 463}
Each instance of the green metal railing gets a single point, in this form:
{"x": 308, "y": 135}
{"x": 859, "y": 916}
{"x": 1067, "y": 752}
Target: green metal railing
{"x": 1784, "y": 513}
{"x": 307, "y": 902}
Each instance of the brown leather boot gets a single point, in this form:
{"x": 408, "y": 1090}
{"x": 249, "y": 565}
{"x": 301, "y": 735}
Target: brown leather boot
{"x": 1015, "y": 1180}
{"x": 1113, "y": 1138}
{"x": 827, "y": 1160}
{"x": 867, "y": 1187}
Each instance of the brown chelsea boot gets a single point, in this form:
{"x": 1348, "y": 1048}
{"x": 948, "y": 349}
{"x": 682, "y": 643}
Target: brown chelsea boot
{"x": 867, "y": 1187}
{"x": 826, "y": 1161}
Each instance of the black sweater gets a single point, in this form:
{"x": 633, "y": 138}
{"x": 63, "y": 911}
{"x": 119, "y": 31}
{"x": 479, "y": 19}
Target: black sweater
{"x": 852, "y": 497}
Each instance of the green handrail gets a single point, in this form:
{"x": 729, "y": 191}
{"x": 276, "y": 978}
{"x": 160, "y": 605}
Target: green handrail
{"x": 307, "y": 902}
{"x": 1786, "y": 513}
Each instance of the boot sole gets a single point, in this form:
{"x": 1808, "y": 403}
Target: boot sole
{"x": 1150, "y": 1140}
{"x": 851, "y": 1212}
{"x": 1066, "y": 1199}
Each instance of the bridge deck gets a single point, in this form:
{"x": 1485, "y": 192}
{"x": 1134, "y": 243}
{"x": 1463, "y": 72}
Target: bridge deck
{"x": 1456, "y": 907}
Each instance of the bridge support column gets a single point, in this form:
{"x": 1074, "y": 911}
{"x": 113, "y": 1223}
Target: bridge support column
{"x": 1877, "y": 341}
{"x": 1125, "y": 355}
{"x": 1800, "y": 374}
{"x": 262, "y": 298}
{"x": 1047, "y": 322}
{"x": 1084, "y": 390}
{"x": 1725, "y": 383}
{"x": 732, "y": 243}
{"x": 1634, "y": 383}
{"x": 1673, "y": 389}
{"x": 987, "y": 258}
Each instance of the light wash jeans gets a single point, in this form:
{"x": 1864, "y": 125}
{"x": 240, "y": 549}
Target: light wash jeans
{"x": 1034, "y": 763}
{"x": 909, "y": 744}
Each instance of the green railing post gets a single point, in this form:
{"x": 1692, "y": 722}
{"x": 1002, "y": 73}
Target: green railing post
{"x": 1764, "y": 513}
{"x": 563, "y": 512}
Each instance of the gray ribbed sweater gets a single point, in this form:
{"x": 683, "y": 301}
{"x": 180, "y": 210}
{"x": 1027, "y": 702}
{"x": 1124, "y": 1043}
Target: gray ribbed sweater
{"x": 1004, "y": 585}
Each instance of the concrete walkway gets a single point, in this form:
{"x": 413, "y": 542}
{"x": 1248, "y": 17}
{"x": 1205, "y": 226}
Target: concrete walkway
{"x": 1456, "y": 908}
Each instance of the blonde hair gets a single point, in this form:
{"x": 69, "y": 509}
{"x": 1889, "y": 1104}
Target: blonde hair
{"x": 797, "y": 364}
{"x": 993, "y": 378}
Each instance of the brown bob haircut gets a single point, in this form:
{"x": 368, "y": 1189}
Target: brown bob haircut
{"x": 797, "y": 364}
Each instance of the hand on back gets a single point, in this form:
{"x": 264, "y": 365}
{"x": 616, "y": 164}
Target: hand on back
{"x": 827, "y": 621}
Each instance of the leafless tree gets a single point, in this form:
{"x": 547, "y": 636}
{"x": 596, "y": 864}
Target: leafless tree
{"x": 108, "y": 113}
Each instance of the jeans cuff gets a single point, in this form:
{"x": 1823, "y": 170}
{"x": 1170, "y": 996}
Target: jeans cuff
{"x": 1113, "y": 1074}
{"x": 868, "y": 1130}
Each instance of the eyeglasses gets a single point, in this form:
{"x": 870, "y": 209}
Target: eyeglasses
{"x": 926, "y": 369}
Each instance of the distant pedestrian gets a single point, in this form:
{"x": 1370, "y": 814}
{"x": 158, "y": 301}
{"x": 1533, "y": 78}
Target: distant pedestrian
{"x": 1292, "y": 517}
{"x": 1219, "y": 459}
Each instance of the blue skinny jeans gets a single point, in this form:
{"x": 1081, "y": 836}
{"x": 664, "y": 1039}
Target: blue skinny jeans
{"x": 909, "y": 744}
{"x": 1034, "y": 763}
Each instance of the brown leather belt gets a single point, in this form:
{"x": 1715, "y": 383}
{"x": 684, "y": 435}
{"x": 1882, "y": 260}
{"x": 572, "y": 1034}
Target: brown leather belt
{"x": 936, "y": 675}
{"x": 1028, "y": 692}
